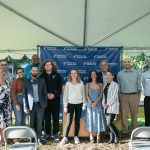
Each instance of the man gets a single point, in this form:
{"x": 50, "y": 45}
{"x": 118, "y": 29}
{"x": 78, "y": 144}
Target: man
{"x": 7, "y": 75}
{"x": 146, "y": 86}
{"x": 35, "y": 96}
{"x": 54, "y": 87}
{"x": 129, "y": 81}
{"x": 35, "y": 62}
{"x": 102, "y": 74}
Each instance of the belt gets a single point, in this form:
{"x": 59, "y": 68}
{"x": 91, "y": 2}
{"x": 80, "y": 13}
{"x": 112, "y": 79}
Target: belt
{"x": 129, "y": 93}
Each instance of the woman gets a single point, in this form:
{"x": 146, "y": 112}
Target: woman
{"x": 74, "y": 102}
{"x": 5, "y": 105}
{"x": 17, "y": 98}
{"x": 111, "y": 105}
{"x": 95, "y": 114}
{"x": 54, "y": 88}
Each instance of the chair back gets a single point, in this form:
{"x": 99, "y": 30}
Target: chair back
{"x": 141, "y": 132}
{"x": 19, "y": 132}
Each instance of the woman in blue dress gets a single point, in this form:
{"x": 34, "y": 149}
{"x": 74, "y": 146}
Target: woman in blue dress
{"x": 95, "y": 113}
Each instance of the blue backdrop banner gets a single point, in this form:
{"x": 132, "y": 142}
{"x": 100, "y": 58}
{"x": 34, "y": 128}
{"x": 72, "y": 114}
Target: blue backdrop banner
{"x": 85, "y": 59}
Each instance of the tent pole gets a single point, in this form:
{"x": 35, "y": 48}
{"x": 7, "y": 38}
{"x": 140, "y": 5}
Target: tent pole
{"x": 85, "y": 23}
{"x": 37, "y": 24}
{"x": 122, "y": 28}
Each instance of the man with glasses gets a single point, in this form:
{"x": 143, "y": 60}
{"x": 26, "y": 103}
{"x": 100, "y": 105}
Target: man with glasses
{"x": 35, "y": 62}
{"x": 7, "y": 75}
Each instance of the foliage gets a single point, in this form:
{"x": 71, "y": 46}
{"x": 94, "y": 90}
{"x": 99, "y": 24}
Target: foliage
{"x": 17, "y": 62}
{"x": 139, "y": 62}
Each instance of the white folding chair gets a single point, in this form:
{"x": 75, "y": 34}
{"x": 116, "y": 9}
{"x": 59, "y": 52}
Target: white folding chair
{"x": 140, "y": 139}
{"x": 20, "y": 132}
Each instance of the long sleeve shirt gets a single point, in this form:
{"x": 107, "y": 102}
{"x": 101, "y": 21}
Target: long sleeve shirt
{"x": 16, "y": 88}
{"x": 74, "y": 94}
{"x": 146, "y": 82}
{"x": 129, "y": 81}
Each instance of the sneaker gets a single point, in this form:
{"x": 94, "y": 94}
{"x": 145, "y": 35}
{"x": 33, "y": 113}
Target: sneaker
{"x": 76, "y": 140}
{"x": 64, "y": 141}
{"x": 45, "y": 137}
{"x": 39, "y": 141}
{"x": 56, "y": 137}
{"x": 92, "y": 140}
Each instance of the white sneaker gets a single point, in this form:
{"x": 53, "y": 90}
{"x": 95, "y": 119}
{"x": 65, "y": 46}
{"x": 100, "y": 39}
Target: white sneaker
{"x": 39, "y": 142}
{"x": 64, "y": 141}
{"x": 76, "y": 140}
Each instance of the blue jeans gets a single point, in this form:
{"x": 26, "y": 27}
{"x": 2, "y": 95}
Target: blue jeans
{"x": 19, "y": 115}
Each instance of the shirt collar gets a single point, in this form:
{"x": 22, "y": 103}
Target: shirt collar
{"x": 128, "y": 70}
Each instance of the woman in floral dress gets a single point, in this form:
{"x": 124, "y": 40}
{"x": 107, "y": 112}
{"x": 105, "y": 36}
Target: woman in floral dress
{"x": 5, "y": 105}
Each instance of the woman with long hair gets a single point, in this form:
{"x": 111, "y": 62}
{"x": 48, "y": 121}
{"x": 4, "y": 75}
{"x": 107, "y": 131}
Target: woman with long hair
{"x": 74, "y": 102}
{"x": 54, "y": 88}
{"x": 95, "y": 113}
{"x": 111, "y": 105}
{"x": 17, "y": 98}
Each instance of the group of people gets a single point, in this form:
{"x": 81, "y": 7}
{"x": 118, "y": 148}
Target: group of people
{"x": 37, "y": 88}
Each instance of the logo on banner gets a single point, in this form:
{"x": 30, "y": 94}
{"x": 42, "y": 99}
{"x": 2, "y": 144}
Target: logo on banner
{"x": 65, "y": 78}
{"x": 89, "y": 63}
{"x": 50, "y": 48}
{"x": 91, "y": 48}
{"x": 54, "y": 62}
{"x": 62, "y": 71}
{"x": 112, "y": 64}
{"x": 82, "y": 71}
{"x": 59, "y": 56}
{"x": 80, "y": 56}
{"x": 111, "y": 49}
{"x": 85, "y": 78}
{"x": 100, "y": 56}
{"x": 70, "y": 48}
{"x": 67, "y": 63}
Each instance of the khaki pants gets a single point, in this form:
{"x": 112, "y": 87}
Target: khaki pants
{"x": 127, "y": 102}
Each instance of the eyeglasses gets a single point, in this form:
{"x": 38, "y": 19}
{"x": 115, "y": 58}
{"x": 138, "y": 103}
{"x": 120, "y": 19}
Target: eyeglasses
{"x": 3, "y": 64}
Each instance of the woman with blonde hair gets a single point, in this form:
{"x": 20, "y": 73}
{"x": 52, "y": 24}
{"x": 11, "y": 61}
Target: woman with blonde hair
{"x": 74, "y": 102}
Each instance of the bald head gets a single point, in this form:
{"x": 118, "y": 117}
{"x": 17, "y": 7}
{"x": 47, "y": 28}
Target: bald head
{"x": 127, "y": 63}
{"x": 35, "y": 59}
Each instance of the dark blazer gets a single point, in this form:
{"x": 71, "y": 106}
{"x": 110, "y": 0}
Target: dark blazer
{"x": 28, "y": 90}
{"x": 100, "y": 78}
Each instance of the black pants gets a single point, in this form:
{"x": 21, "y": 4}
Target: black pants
{"x": 36, "y": 117}
{"x": 147, "y": 110}
{"x": 113, "y": 129}
{"x": 77, "y": 108}
{"x": 52, "y": 110}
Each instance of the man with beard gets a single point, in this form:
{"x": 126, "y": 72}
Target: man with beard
{"x": 129, "y": 81}
{"x": 35, "y": 96}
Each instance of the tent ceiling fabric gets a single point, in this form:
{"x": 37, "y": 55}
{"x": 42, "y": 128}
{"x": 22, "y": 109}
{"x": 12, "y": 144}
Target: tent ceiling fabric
{"x": 66, "y": 18}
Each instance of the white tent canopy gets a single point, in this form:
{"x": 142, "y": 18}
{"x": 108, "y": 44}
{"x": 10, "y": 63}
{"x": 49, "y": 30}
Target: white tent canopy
{"x": 74, "y": 22}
